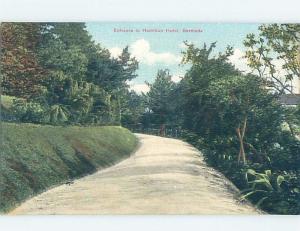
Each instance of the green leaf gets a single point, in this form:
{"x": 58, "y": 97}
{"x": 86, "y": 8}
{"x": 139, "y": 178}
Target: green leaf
{"x": 252, "y": 192}
{"x": 251, "y": 172}
{"x": 268, "y": 173}
{"x": 279, "y": 181}
{"x": 296, "y": 190}
{"x": 261, "y": 201}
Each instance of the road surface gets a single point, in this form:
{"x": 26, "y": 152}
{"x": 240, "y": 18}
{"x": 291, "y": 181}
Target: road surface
{"x": 164, "y": 176}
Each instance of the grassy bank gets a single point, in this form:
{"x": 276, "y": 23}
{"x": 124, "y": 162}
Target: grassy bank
{"x": 34, "y": 157}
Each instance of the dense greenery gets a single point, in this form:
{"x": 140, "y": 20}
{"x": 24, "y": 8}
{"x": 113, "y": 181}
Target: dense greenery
{"x": 55, "y": 74}
{"x": 38, "y": 157}
{"x": 61, "y": 76}
{"x": 159, "y": 100}
{"x": 236, "y": 118}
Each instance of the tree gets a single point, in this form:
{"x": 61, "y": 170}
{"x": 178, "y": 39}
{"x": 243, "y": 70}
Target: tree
{"x": 239, "y": 102}
{"x": 226, "y": 110}
{"x": 112, "y": 73}
{"x": 56, "y": 56}
{"x": 72, "y": 34}
{"x": 133, "y": 108}
{"x": 205, "y": 69}
{"x": 62, "y": 64}
{"x": 273, "y": 55}
{"x": 20, "y": 71}
{"x": 76, "y": 64}
{"x": 62, "y": 72}
{"x": 159, "y": 98}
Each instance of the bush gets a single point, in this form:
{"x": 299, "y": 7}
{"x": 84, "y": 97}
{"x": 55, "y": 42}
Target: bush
{"x": 29, "y": 111}
{"x": 259, "y": 179}
{"x": 276, "y": 193}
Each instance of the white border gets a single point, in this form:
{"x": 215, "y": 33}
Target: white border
{"x": 151, "y": 10}
{"x": 151, "y": 223}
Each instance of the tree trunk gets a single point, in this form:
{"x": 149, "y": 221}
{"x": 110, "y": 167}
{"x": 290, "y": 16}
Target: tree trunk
{"x": 241, "y": 133}
{"x": 291, "y": 128}
{"x": 162, "y": 131}
{"x": 119, "y": 107}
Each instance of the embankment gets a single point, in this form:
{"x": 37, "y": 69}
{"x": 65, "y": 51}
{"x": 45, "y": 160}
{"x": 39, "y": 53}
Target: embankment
{"x": 35, "y": 158}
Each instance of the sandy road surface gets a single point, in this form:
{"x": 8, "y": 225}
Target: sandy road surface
{"x": 164, "y": 176}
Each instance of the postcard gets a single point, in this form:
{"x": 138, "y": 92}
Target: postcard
{"x": 138, "y": 118}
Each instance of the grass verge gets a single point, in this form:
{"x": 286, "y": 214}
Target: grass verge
{"x": 35, "y": 157}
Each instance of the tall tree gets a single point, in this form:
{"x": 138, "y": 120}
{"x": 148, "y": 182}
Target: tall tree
{"x": 133, "y": 108}
{"x": 20, "y": 70}
{"x": 112, "y": 73}
{"x": 159, "y": 98}
{"x": 205, "y": 69}
{"x": 241, "y": 104}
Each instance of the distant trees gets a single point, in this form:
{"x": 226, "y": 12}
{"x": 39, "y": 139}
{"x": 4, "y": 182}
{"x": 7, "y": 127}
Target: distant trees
{"x": 133, "y": 109}
{"x": 159, "y": 99}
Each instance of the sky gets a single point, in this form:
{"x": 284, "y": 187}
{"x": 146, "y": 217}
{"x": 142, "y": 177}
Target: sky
{"x": 160, "y": 45}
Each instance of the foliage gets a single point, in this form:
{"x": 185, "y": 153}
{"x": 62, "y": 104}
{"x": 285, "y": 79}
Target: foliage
{"x": 62, "y": 74}
{"x": 241, "y": 106}
{"x": 274, "y": 55}
{"x": 112, "y": 73}
{"x": 7, "y": 101}
{"x": 204, "y": 70}
{"x": 235, "y": 113}
{"x": 277, "y": 193}
{"x": 20, "y": 72}
{"x": 237, "y": 123}
{"x": 28, "y": 111}
{"x": 133, "y": 108}
{"x": 159, "y": 97}
{"x": 55, "y": 56}
{"x": 58, "y": 114}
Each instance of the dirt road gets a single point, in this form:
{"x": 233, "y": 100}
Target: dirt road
{"x": 164, "y": 176}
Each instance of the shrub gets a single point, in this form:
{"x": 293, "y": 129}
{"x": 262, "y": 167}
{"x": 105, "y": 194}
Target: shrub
{"x": 275, "y": 193}
{"x": 29, "y": 111}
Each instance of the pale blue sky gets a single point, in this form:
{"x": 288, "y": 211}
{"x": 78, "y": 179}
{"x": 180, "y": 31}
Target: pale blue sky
{"x": 157, "y": 50}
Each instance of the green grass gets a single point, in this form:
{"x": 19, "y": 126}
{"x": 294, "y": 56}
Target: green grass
{"x": 35, "y": 157}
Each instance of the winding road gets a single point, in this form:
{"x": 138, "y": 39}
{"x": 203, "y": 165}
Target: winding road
{"x": 164, "y": 176}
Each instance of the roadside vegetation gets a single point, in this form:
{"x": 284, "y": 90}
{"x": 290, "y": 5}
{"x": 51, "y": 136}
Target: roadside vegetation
{"x": 36, "y": 157}
{"x": 54, "y": 73}
{"x": 236, "y": 118}
{"x": 60, "y": 91}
